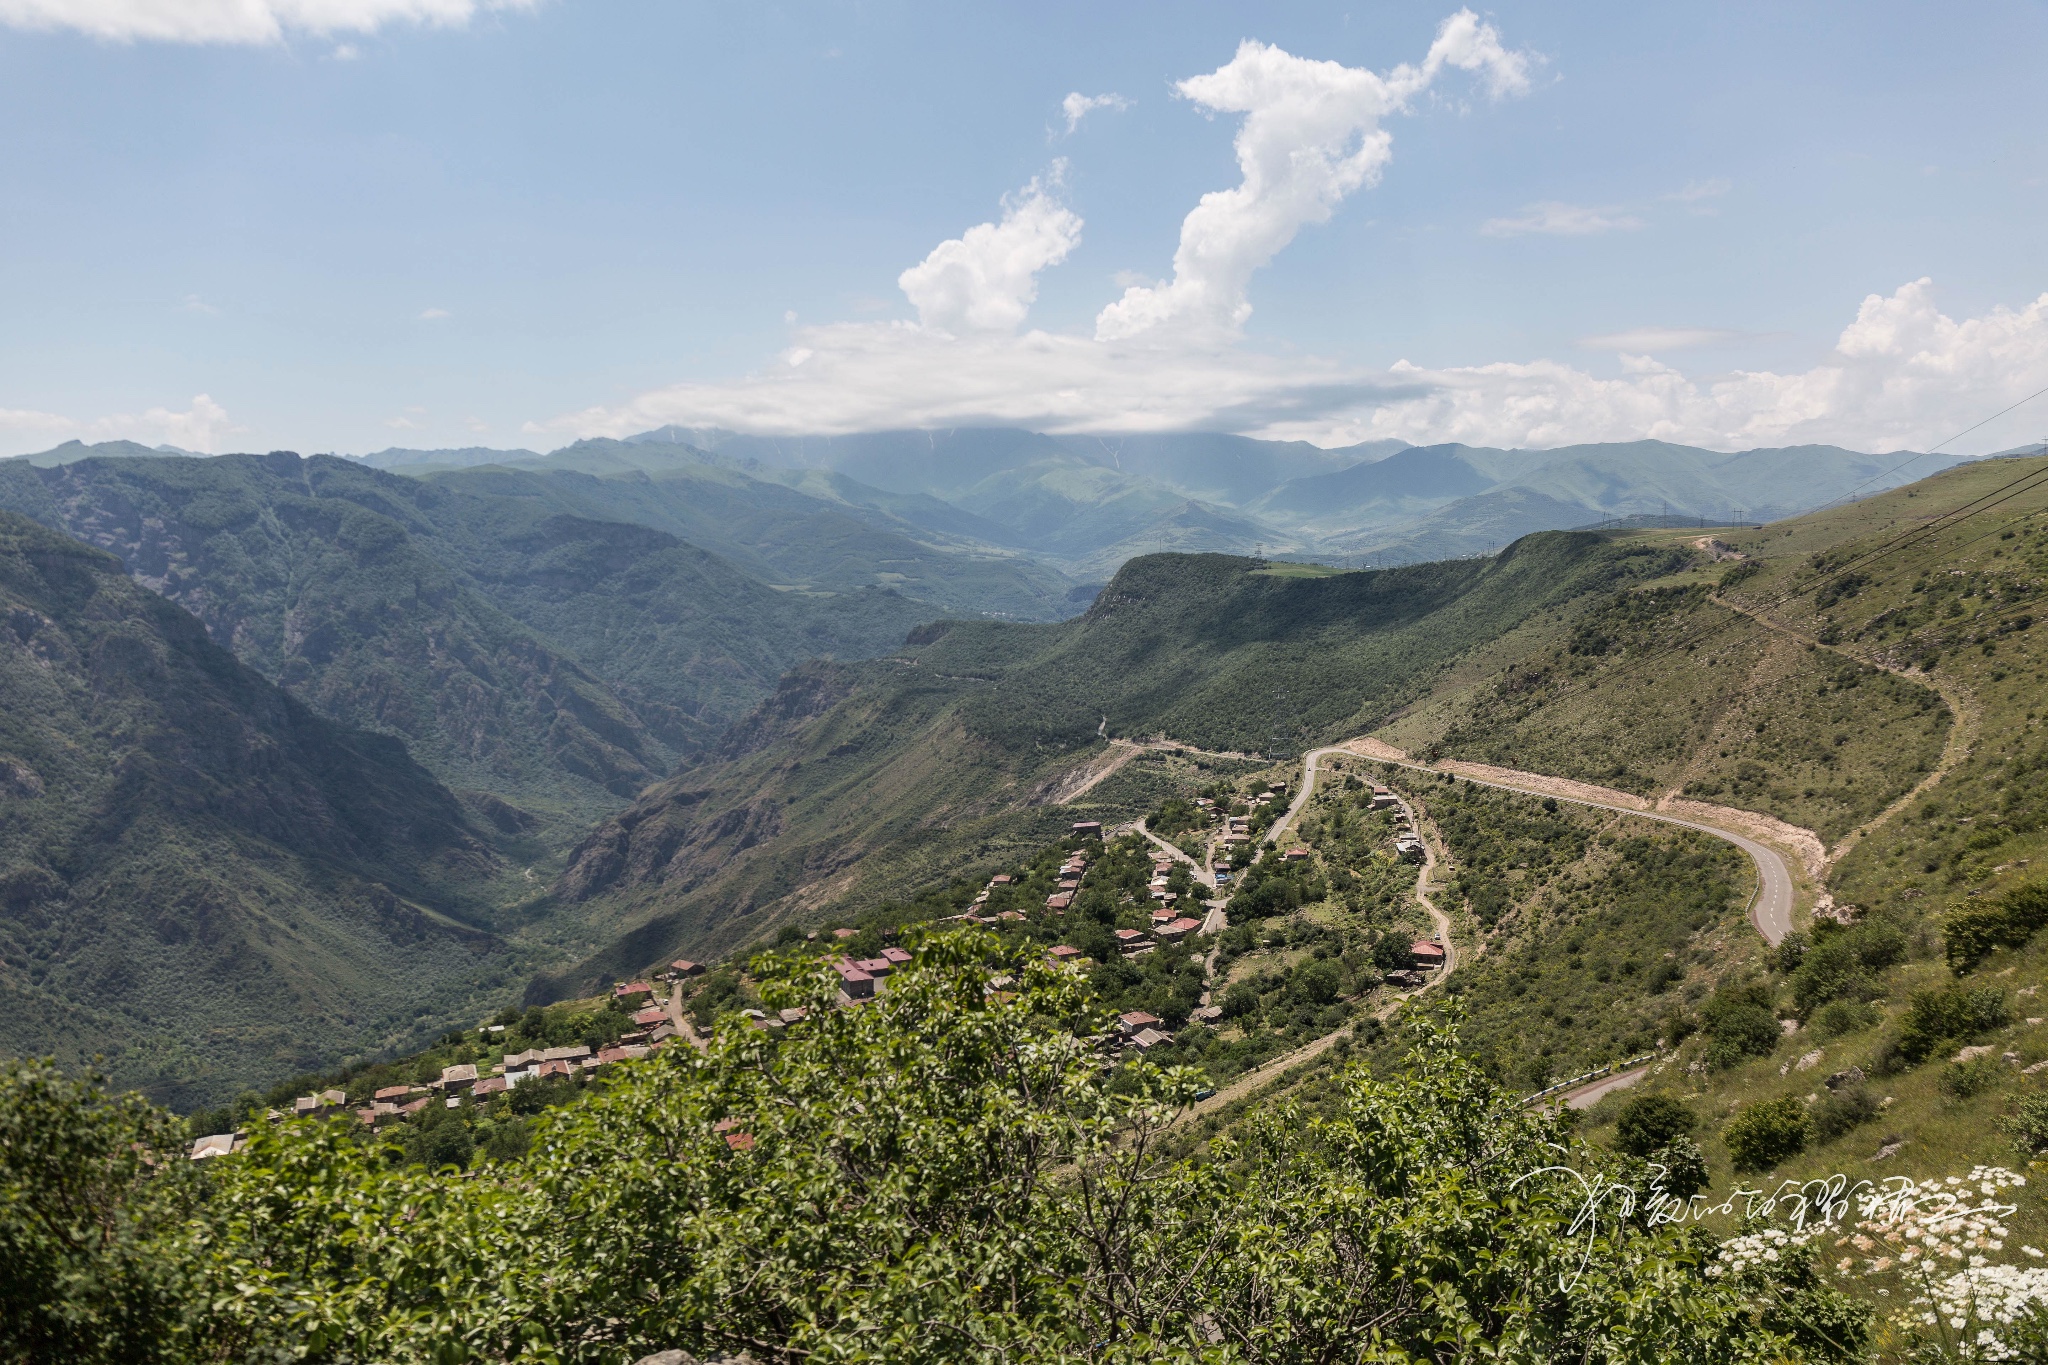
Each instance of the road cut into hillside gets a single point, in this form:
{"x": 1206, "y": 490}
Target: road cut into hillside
{"x": 1770, "y": 907}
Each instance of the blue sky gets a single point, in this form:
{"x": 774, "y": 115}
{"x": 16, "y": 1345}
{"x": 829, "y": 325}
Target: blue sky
{"x": 519, "y": 224}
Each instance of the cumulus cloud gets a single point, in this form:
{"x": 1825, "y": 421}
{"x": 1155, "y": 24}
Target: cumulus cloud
{"x": 986, "y": 279}
{"x": 432, "y": 314}
{"x": 1078, "y": 106}
{"x": 1554, "y": 219}
{"x": 238, "y": 21}
{"x": 1902, "y": 375}
{"x": 1167, "y": 356}
{"x": 198, "y": 427}
{"x": 1311, "y": 136}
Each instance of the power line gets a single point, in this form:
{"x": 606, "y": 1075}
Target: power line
{"x": 1850, "y": 496}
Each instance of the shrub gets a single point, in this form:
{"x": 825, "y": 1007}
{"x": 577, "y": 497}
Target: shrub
{"x": 1843, "y": 1111}
{"x": 1838, "y": 965}
{"x": 1740, "y": 1024}
{"x": 2008, "y": 921}
{"x": 1838, "y": 1017}
{"x": 1649, "y": 1122}
{"x": 1961, "y": 1080}
{"x": 1947, "y": 1014}
{"x": 1663, "y": 977}
{"x": 1685, "y": 1168}
{"x": 943, "y": 1176}
{"x": 1762, "y": 1135}
{"x": 1830, "y": 970}
{"x": 87, "y": 1181}
{"x": 1316, "y": 982}
{"x": 2027, "y": 1125}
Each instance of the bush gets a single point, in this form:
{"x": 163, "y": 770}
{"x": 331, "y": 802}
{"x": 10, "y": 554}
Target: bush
{"x": 2008, "y": 921}
{"x": 88, "y": 1180}
{"x": 1961, "y": 1080}
{"x": 905, "y": 1162}
{"x": 1685, "y": 1168}
{"x": 1949, "y": 1014}
{"x": 1762, "y": 1135}
{"x": 2027, "y": 1125}
{"x": 1740, "y": 1024}
{"x": 1241, "y": 1000}
{"x": 1649, "y": 1122}
{"x": 1838, "y": 1017}
{"x": 1842, "y": 1111}
{"x": 1839, "y": 964}
{"x": 1316, "y": 982}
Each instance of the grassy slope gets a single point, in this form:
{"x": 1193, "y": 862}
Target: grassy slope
{"x": 855, "y": 772}
{"x": 1650, "y": 713}
{"x": 1982, "y": 829}
{"x": 1589, "y": 928}
{"x": 200, "y": 878}
{"x": 1661, "y": 690}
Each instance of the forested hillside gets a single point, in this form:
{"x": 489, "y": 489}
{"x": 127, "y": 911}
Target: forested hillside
{"x": 533, "y": 656}
{"x": 200, "y": 879}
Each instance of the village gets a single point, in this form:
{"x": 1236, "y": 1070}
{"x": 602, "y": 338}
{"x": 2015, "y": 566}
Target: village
{"x": 1146, "y": 920}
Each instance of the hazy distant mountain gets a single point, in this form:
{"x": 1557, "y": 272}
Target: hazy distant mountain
{"x": 857, "y": 538}
{"x": 398, "y": 457}
{"x": 1412, "y": 481}
{"x": 1019, "y": 502}
{"x": 520, "y": 647}
{"x": 72, "y": 451}
{"x": 1088, "y": 502}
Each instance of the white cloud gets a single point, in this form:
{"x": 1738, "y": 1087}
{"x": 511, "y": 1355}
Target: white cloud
{"x": 1641, "y": 340}
{"x": 432, "y": 314}
{"x": 1554, "y": 219}
{"x": 1078, "y": 106}
{"x": 196, "y": 428}
{"x": 986, "y": 279}
{"x": 238, "y": 21}
{"x": 1697, "y": 190}
{"x": 1311, "y": 135}
{"x": 1903, "y": 375}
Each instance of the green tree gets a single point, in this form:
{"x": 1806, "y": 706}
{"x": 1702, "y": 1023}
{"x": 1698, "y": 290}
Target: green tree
{"x": 88, "y": 1181}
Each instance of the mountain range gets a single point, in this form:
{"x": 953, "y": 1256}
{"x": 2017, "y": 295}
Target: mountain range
{"x": 676, "y": 690}
{"x": 1085, "y": 504}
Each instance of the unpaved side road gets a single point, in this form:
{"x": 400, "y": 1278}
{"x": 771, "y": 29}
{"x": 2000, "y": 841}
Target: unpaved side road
{"x": 1266, "y": 1072}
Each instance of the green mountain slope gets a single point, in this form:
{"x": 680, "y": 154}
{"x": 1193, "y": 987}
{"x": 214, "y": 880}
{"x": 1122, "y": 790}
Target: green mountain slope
{"x": 199, "y": 878}
{"x": 554, "y": 660}
{"x": 850, "y": 541}
{"x": 315, "y": 573}
{"x": 1870, "y": 672}
{"x": 980, "y": 734}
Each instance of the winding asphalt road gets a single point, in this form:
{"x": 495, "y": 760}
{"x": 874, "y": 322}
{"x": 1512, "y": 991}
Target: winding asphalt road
{"x": 1770, "y": 906}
